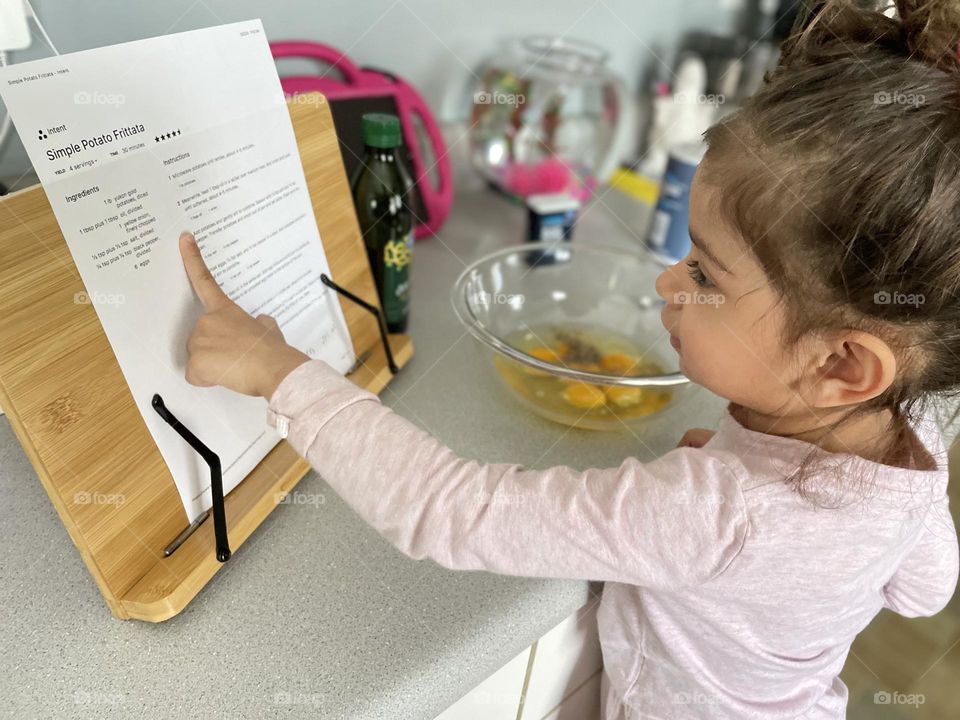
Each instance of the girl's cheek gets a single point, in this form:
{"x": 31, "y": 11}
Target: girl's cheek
{"x": 708, "y": 333}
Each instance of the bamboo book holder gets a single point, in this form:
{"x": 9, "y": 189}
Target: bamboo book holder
{"x": 71, "y": 409}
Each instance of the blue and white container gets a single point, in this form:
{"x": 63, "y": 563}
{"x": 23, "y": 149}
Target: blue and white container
{"x": 669, "y": 235}
{"x": 550, "y": 218}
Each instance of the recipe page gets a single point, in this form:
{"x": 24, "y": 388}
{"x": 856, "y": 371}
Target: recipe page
{"x": 137, "y": 142}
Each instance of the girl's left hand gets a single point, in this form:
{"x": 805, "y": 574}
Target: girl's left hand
{"x": 695, "y": 437}
{"x": 228, "y": 347}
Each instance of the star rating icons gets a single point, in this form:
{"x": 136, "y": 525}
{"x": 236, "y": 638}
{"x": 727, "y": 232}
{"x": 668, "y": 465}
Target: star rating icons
{"x": 166, "y": 136}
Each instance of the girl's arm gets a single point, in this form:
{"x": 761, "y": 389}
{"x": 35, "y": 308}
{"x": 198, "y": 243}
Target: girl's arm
{"x": 675, "y": 521}
{"x": 927, "y": 577}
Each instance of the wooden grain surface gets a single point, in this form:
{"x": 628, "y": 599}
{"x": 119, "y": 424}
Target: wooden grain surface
{"x": 72, "y": 411}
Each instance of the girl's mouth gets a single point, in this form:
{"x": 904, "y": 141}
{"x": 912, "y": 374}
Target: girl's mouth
{"x": 675, "y": 343}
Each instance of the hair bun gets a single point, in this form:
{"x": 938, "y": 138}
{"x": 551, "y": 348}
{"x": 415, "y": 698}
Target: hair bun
{"x": 923, "y": 30}
{"x": 932, "y": 31}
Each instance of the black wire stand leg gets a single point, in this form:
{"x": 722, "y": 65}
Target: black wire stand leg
{"x": 213, "y": 460}
{"x": 376, "y": 313}
{"x": 216, "y": 478}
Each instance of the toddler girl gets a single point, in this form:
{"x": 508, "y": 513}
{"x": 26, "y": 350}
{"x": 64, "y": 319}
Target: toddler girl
{"x": 740, "y": 566}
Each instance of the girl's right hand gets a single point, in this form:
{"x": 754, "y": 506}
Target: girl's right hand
{"x": 228, "y": 347}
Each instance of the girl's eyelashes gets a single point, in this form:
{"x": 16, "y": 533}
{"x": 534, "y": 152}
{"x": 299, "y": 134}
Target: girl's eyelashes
{"x": 696, "y": 274}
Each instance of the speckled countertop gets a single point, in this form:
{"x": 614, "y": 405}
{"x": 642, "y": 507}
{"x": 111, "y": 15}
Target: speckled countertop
{"x": 317, "y": 615}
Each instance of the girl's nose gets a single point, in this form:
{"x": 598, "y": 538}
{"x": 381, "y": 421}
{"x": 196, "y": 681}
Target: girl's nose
{"x": 666, "y": 285}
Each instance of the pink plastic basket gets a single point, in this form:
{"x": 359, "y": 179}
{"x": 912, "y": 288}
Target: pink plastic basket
{"x": 358, "y": 83}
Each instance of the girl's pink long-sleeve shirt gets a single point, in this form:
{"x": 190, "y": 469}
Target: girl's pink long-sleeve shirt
{"x": 727, "y": 594}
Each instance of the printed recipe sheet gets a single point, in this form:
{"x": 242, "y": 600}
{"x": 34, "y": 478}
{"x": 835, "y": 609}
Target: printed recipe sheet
{"x": 135, "y": 143}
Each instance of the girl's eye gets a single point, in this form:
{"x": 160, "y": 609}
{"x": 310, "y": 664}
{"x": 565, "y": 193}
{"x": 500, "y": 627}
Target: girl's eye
{"x": 697, "y": 274}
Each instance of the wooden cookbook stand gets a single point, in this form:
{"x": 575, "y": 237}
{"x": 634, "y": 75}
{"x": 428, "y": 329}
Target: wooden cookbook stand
{"x": 72, "y": 410}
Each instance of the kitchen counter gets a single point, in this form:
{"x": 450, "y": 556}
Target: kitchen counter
{"x": 317, "y": 615}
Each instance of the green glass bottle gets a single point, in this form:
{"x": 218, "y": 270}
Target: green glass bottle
{"x": 381, "y": 193}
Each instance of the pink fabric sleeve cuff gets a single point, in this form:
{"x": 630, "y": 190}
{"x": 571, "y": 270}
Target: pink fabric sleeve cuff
{"x": 315, "y": 387}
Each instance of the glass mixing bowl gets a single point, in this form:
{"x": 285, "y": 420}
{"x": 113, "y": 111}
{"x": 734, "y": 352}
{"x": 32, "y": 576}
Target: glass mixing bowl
{"x": 574, "y": 331}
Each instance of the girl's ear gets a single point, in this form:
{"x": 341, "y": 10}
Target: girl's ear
{"x": 852, "y": 368}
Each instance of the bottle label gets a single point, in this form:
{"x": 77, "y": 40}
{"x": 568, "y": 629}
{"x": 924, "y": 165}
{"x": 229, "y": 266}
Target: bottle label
{"x": 397, "y": 255}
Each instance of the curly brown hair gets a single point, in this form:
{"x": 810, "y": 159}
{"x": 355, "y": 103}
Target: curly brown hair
{"x": 841, "y": 175}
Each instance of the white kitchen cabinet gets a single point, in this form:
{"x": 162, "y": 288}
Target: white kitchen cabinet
{"x": 496, "y": 698}
{"x": 564, "y": 660}
{"x": 583, "y": 704}
{"x": 562, "y": 678}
